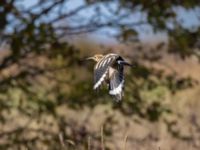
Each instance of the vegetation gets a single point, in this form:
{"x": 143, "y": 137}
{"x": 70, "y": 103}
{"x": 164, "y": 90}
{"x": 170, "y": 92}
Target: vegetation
{"x": 40, "y": 73}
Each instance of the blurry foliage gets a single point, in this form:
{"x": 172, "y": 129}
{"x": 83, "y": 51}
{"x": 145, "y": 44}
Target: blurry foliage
{"x": 37, "y": 91}
{"x": 185, "y": 42}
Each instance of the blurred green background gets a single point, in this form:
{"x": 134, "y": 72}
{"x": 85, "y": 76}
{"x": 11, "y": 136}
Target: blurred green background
{"x": 47, "y": 100}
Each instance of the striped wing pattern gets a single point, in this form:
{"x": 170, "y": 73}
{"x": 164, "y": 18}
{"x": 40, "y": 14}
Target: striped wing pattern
{"x": 109, "y": 67}
{"x": 116, "y": 84}
{"x": 101, "y": 69}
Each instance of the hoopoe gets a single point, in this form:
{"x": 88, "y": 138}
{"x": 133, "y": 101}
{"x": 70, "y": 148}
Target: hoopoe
{"x": 109, "y": 68}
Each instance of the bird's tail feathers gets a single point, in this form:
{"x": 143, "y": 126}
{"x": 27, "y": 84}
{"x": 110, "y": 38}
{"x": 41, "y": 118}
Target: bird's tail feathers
{"x": 116, "y": 86}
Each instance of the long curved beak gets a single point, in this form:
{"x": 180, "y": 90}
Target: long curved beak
{"x": 90, "y": 58}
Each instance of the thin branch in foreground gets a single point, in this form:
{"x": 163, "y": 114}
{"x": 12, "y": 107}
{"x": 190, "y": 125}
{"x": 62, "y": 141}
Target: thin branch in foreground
{"x": 102, "y": 139}
{"x": 61, "y": 139}
{"x": 125, "y": 141}
{"x": 89, "y": 142}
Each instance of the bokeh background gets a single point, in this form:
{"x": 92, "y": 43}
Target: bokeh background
{"x": 47, "y": 100}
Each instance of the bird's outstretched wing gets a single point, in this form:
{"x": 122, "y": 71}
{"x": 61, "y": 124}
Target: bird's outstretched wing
{"x": 101, "y": 69}
{"x": 116, "y": 82}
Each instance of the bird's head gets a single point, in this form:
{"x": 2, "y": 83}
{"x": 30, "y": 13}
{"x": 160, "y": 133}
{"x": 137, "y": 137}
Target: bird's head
{"x": 96, "y": 57}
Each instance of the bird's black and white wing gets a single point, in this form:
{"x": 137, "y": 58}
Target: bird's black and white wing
{"x": 116, "y": 82}
{"x": 101, "y": 69}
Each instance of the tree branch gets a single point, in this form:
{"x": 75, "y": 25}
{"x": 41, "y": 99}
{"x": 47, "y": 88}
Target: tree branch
{"x": 91, "y": 27}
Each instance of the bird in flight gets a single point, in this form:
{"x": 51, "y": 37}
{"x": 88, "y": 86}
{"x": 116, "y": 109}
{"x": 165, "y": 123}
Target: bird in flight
{"x": 110, "y": 69}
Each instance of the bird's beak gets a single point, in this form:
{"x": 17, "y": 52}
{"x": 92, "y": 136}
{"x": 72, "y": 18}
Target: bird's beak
{"x": 90, "y": 58}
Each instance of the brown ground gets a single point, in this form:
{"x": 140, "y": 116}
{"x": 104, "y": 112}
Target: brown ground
{"x": 131, "y": 133}
{"x": 144, "y": 135}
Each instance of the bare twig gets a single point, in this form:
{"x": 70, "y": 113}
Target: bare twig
{"x": 69, "y": 14}
{"x": 102, "y": 139}
{"x": 45, "y": 10}
{"x": 89, "y": 142}
{"x": 125, "y": 141}
{"x": 92, "y": 27}
{"x": 61, "y": 139}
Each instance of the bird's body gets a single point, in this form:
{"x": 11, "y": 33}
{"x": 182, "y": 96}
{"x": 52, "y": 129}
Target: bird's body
{"x": 109, "y": 68}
